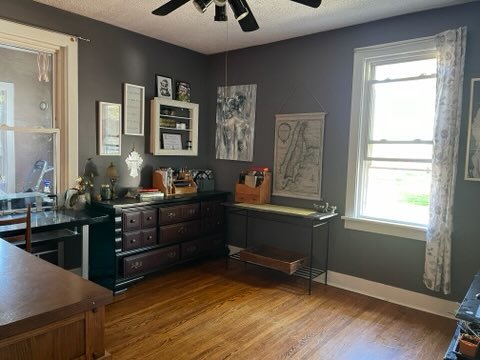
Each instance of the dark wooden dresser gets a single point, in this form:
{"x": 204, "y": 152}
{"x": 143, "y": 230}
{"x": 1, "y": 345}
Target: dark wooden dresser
{"x": 143, "y": 237}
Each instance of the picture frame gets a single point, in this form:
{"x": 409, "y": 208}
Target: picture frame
{"x": 472, "y": 161}
{"x": 134, "y": 109}
{"x": 172, "y": 141}
{"x": 164, "y": 86}
{"x": 109, "y": 128}
{"x": 307, "y": 182}
{"x": 182, "y": 91}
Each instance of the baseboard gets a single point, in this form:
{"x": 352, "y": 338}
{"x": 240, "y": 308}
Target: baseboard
{"x": 387, "y": 293}
{"x": 391, "y": 294}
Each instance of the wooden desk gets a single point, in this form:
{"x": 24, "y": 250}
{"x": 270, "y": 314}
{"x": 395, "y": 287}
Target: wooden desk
{"x": 47, "y": 312}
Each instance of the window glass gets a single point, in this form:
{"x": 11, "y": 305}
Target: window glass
{"x": 403, "y": 110}
{"x": 28, "y": 150}
{"x": 405, "y": 69}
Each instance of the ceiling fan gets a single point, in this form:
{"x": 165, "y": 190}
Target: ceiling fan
{"x": 240, "y": 9}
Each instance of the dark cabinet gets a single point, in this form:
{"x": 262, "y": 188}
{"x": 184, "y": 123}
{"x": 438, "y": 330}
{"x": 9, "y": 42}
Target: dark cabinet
{"x": 145, "y": 237}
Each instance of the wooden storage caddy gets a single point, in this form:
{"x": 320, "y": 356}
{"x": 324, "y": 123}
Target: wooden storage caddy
{"x": 257, "y": 195}
{"x": 274, "y": 258}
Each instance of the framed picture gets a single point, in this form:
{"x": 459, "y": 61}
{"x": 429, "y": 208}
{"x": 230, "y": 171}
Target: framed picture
{"x": 109, "y": 128}
{"x": 182, "y": 91}
{"x": 472, "y": 164}
{"x": 164, "y": 86}
{"x": 134, "y": 109}
{"x": 297, "y": 166}
{"x": 172, "y": 141}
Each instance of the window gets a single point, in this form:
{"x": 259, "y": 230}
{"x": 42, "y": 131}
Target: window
{"x": 391, "y": 138}
{"x": 38, "y": 112}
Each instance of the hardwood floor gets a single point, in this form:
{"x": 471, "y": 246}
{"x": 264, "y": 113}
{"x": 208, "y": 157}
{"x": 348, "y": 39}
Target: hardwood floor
{"x": 210, "y": 311}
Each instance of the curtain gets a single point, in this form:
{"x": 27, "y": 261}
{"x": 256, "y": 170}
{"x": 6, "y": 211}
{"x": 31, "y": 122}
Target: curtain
{"x": 450, "y": 59}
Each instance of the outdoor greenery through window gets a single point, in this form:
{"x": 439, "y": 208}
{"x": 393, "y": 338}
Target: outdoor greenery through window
{"x": 393, "y": 132}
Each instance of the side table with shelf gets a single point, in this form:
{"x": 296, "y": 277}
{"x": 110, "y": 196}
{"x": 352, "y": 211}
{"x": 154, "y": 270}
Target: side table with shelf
{"x": 290, "y": 262}
{"x": 175, "y": 122}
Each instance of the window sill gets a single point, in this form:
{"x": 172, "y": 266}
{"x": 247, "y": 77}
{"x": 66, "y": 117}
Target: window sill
{"x": 386, "y": 228}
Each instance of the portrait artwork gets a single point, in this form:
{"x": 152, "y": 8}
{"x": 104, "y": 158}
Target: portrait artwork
{"x": 235, "y": 122}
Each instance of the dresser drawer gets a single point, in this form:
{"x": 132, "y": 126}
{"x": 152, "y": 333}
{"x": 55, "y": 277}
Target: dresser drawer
{"x": 176, "y": 214}
{"x": 151, "y": 260}
{"x": 149, "y": 218}
{"x": 179, "y": 232}
{"x": 131, "y": 221}
{"x": 132, "y": 240}
{"x": 149, "y": 237}
{"x": 212, "y": 208}
{"x": 212, "y": 224}
{"x": 194, "y": 248}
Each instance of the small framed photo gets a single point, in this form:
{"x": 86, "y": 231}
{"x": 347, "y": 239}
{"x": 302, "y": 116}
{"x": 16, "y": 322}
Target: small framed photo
{"x": 109, "y": 128}
{"x": 472, "y": 165}
{"x": 172, "y": 141}
{"x": 182, "y": 91}
{"x": 164, "y": 86}
{"x": 134, "y": 109}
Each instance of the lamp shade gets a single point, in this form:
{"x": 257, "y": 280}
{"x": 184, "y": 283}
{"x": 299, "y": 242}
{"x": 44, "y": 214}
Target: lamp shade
{"x": 112, "y": 171}
{"x": 202, "y": 5}
{"x": 238, "y": 8}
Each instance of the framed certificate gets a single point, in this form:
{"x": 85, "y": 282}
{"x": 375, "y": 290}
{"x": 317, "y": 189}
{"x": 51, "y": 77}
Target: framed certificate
{"x": 172, "y": 141}
{"x": 134, "y": 109}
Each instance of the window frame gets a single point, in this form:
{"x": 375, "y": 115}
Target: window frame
{"x": 65, "y": 100}
{"x": 365, "y": 59}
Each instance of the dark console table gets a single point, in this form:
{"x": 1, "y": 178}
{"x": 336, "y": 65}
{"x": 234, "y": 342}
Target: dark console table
{"x": 143, "y": 237}
{"x": 51, "y": 228}
{"x": 468, "y": 311}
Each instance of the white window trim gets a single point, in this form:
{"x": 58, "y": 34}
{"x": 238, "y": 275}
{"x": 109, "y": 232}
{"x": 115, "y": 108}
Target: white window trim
{"x": 66, "y": 109}
{"x": 363, "y": 59}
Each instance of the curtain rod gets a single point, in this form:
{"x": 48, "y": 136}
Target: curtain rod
{"x": 44, "y": 28}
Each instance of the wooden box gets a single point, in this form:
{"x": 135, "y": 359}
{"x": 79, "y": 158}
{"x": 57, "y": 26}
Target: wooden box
{"x": 274, "y": 258}
{"x": 255, "y": 195}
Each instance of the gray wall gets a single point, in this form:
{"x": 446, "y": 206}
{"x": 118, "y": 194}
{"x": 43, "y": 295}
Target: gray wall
{"x": 290, "y": 75}
{"x": 113, "y": 57}
{"x": 287, "y": 74}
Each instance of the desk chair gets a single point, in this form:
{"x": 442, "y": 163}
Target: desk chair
{"x": 27, "y": 236}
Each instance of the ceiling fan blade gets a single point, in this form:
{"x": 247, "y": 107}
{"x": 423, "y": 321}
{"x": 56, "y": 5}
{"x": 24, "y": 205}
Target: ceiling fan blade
{"x": 170, "y": 6}
{"x": 248, "y": 23}
{"x": 311, "y": 3}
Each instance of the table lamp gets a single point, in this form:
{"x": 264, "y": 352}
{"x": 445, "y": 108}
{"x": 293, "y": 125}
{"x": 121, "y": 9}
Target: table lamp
{"x": 112, "y": 174}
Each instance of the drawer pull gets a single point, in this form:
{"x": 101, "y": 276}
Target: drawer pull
{"x": 136, "y": 265}
{"x": 133, "y": 241}
{"x": 150, "y": 237}
{"x": 132, "y": 221}
{"x": 182, "y": 230}
{"x": 172, "y": 254}
{"x": 191, "y": 248}
{"x": 171, "y": 215}
{"x": 149, "y": 218}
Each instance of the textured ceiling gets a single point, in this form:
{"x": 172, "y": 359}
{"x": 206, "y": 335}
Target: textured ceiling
{"x": 278, "y": 19}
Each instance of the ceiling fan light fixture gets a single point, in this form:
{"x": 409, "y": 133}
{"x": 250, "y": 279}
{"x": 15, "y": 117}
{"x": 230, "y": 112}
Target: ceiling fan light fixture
{"x": 202, "y": 5}
{"x": 238, "y": 8}
{"x": 220, "y": 13}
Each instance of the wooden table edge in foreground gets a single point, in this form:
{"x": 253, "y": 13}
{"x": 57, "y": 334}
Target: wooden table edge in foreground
{"x": 47, "y": 312}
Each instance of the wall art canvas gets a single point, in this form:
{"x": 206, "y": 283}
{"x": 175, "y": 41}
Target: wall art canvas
{"x": 297, "y": 168}
{"x": 472, "y": 166}
{"x": 235, "y": 122}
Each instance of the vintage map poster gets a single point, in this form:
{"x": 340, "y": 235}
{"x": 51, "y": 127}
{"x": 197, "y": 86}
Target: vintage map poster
{"x": 298, "y": 155}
